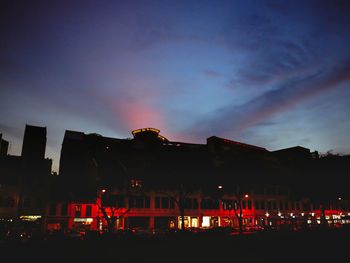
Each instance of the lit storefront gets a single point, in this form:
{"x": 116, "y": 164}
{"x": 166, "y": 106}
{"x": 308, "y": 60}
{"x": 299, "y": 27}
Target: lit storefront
{"x": 84, "y": 217}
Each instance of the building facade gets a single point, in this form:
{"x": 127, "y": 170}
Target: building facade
{"x": 150, "y": 182}
{"x": 24, "y": 180}
{"x": 159, "y": 211}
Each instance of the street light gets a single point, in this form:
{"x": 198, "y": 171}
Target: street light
{"x": 246, "y": 196}
{"x": 103, "y": 191}
{"x": 219, "y": 186}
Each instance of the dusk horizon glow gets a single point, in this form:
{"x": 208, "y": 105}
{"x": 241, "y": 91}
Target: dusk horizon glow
{"x": 274, "y": 74}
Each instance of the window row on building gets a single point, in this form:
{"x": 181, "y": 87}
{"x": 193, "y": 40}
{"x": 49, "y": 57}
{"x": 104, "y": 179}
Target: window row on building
{"x": 161, "y": 202}
{"x": 122, "y": 201}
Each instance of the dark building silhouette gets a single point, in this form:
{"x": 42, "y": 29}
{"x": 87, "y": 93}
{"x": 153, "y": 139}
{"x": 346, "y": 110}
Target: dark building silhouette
{"x": 93, "y": 160}
{"x": 4, "y": 145}
{"x": 153, "y": 182}
{"x": 34, "y": 142}
{"x": 294, "y": 153}
{"x": 143, "y": 176}
{"x": 24, "y": 179}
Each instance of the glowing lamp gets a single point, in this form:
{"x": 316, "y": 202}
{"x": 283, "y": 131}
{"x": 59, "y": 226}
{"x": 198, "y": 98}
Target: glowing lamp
{"x": 246, "y": 196}
{"x": 103, "y": 190}
{"x": 267, "y": 214}
{"x": 219, "y": 186}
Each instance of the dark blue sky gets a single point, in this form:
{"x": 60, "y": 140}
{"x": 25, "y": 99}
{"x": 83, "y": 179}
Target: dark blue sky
{"x": 271, "y": 73}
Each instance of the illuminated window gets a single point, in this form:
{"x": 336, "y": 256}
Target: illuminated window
{"x": 136, "y": 183}
{"x": 194, "y": 222}
{"x": 77, "y": 211}
{"x": 187, "y": 220}
{"x": 206, "y": 221}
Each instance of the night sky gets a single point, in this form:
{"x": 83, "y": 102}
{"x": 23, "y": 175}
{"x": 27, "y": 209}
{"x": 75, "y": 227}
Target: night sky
{"x": 275, "y": 74}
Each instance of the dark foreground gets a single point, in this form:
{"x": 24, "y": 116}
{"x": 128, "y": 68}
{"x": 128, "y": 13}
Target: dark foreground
{"x": 301, "y": 246}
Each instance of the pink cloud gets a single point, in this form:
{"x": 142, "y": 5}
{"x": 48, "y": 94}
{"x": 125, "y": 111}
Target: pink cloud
{"x": 135, "y": 115}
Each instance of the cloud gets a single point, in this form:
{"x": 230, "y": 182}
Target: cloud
{"x": 231, "y": 120}
{"x": 212, "y": 74}
{"x": 285, "y": 60}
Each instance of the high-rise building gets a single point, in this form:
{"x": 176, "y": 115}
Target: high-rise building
{"x": 34, "y": 142}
